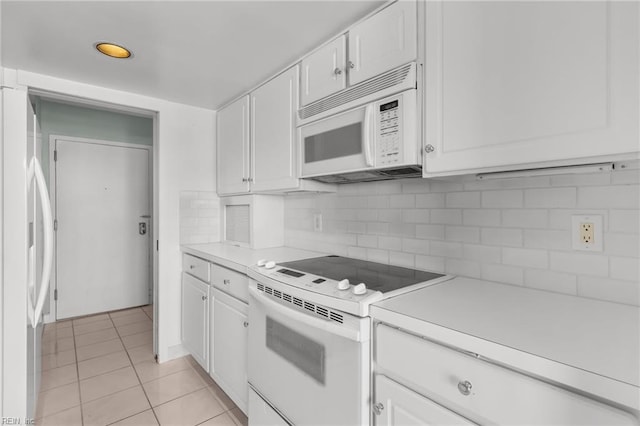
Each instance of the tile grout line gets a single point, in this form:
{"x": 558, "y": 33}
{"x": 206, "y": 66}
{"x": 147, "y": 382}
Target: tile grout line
{"x": 196, "y": 368}
{"x": 126, "y": 350}
{"x": 75, "y": 348}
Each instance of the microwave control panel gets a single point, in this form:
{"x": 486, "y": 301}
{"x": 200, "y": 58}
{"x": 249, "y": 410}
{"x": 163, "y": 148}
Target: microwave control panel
{"x": 388, "y": 148}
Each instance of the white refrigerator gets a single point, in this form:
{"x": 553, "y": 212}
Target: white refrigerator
{"x": 27, "y": 253}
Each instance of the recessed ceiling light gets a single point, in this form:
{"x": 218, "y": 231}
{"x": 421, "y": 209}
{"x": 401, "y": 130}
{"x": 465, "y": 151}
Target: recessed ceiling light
{"x": 113, "y": 50}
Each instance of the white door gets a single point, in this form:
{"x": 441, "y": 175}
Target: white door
{"x": 383, "y": 42}
{"x": 396, "y": 405}
{"x": 323, "y": 72}
{"x": 513, "y": 83}
{"x": 103, "y": 227}
{"x": 233, "y": 148}
{"x": 230, "y": 347}
{"x": 195, "y": 318}
{"x": 273, "y": 109}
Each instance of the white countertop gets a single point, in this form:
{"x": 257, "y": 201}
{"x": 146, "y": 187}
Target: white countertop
{"x": 240, "y": 258}
{"x": 589, "y": 344}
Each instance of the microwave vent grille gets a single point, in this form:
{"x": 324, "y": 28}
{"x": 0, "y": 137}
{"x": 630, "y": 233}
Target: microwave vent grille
{"x": 368, "y": 87}
{"x": 303, "y": 304}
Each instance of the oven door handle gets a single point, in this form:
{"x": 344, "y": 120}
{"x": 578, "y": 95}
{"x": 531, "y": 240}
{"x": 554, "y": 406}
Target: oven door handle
{"x": 301, "y": 317}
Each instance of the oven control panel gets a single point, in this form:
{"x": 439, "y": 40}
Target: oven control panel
{"x": 342, "y": 289}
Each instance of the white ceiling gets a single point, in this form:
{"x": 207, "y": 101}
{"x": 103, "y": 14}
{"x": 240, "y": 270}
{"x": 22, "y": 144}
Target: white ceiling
{"x": 201, "y": 53}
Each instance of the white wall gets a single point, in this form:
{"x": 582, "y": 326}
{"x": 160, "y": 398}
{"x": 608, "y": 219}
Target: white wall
{"x": 514, "y": 231}
{"x": 184, "y": 157}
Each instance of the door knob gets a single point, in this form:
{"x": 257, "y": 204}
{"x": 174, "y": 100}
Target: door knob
{"x": 377, "y": 409}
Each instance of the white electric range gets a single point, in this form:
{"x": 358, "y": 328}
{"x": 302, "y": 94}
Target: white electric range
{"x": 309, "y": 337}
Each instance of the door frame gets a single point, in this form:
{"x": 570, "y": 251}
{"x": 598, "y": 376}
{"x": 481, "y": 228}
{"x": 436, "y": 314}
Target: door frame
{"x": 53, "y": 311}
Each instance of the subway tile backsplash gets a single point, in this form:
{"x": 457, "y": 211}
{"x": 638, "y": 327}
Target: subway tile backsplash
{"x": 515, "y": 231}
{"x": 199, "y": 217}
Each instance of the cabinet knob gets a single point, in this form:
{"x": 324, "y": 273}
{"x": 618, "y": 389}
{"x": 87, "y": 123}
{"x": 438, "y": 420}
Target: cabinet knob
{"x": 246, "y": 324}
{"x": 204, "y": 297}
{"x": 352, "y": 65}
{"x": 429, "y": 148}
{"x": 245, "y": 180}
{"x": 337, "y": 71}
{"x": 377, "y": 409}
{"x": 192, "y": 266}
{"x": 226, "y": 282}
{"x": 465, "y": 387}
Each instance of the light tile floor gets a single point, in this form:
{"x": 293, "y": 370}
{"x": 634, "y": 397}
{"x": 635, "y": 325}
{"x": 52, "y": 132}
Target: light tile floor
{"x": 100, "y": 370}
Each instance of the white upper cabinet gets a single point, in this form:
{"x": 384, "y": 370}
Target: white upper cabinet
{"x": 323, "y": 72}
{"x": 233, "y": 148}
{"x": 273, "y": 135}
{"x": 512, "y": 85}
{"x": 385, "y": 41}
{"x": 380, "y": 43}
{"x": 257, "y": 141}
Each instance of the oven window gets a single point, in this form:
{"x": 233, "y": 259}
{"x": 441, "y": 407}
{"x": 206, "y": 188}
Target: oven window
{"x": 296, "y": 348}
{"x": 335, "y": 143}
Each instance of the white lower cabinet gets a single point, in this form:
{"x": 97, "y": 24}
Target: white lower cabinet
{"x": 229, "y": 347}
{"x": 397, "y": 405}
{"x": 472, "y": 388}
{"x": 195, "y": 318}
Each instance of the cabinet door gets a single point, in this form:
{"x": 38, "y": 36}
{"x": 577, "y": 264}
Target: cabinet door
{"x": 230, "y": 347}
{"x": 396, "y": 405}
{"x": 385, "y": 41}
{"x": 233, "y": 148}
{"x": 509, "y": 84}
{"x": 323, "y": 72}
{"x": 273, "y": 109}
{"x": 195, "y": 318}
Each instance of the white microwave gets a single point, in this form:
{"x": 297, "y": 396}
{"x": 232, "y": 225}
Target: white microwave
{"x": 375, "y": 141}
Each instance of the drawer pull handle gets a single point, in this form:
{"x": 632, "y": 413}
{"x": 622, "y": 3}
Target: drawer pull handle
{"x": 226, "y": 282}
{"x": 465, "y": 387}
{"x": 246, "y": 324}
{"x": 377, "y": 409}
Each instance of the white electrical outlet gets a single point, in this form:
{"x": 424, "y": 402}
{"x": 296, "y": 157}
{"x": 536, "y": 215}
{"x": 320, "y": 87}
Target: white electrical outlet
{"x": 587, "y": 233}
{"x": 317, "y": 222}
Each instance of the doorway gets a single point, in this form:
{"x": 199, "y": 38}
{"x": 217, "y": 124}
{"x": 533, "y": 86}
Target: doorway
{"x": 102, "y": 206}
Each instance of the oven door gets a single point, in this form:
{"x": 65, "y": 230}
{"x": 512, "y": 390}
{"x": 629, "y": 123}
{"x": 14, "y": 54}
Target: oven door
{"x": 340, "y": 143}
{"x": 312, "y": 370}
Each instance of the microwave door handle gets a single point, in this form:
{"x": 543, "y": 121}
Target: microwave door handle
{"x": 299, "y": 317}
{"x": 368, "y": 135}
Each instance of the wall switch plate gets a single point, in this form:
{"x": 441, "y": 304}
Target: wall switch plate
{"x": 317, "y": 222}
{"x": 587, "y": 233}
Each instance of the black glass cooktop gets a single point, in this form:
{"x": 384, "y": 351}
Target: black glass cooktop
{"x": 376, "y": 276}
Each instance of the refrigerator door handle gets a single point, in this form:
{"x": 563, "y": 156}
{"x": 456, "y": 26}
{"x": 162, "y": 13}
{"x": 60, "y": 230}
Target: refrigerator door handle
{"x": 35, "y": 310}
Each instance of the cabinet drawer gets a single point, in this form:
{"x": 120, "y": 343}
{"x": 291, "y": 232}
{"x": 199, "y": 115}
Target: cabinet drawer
{"x": 195, "y": 266}
{"x": 231, "y": 282}
{"x": 482, "y": 391}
